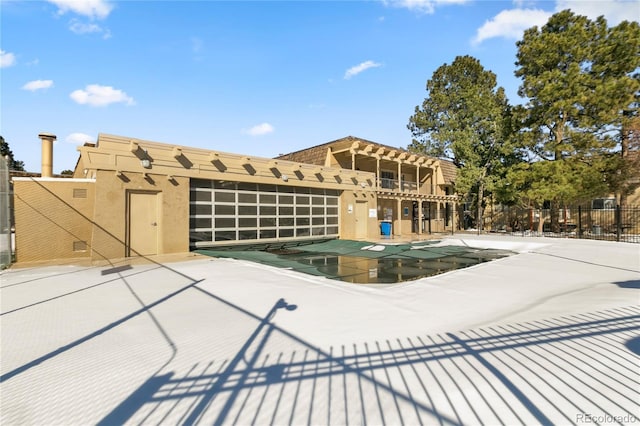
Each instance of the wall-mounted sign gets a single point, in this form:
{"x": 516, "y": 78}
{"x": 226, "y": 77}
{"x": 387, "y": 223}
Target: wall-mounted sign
{"x": 350, "y": 208}
{"x": 373, "y": 213}
{"x": 405, "y": 211}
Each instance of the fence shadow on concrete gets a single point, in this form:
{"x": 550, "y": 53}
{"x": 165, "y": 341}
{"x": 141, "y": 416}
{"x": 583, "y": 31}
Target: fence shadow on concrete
{"x": 541, "y": 372}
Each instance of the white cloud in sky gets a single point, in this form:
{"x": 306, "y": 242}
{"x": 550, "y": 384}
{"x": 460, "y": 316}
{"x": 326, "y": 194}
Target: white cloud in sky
{"x": 357, "y": 69}
{"x": 422, "y": 6}
{"x": 82, "y": 28}
{"x": 260, "y": 129}
{"x": 524, "y": 4}
{"x": 7, "y": 59}
{"x": 78, "y": 27}
{"x": 79, "y": 138}
{"x": 510, "y": 24}
{"x": 196, "y": 44}
{"x": 97, "y": 95}
{"x": 38, "y": 85}
{"x": 94, "y": 9}
{"x": 615, "y": 11}
{"x": 197, "y": 48}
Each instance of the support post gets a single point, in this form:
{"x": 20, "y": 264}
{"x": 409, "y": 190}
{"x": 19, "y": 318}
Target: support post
{"x": 579, "y": 221}
{"x": 618, "y": 222}
{"x": 398, "y": 227}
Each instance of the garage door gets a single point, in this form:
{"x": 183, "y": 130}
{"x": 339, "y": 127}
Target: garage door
{"x": 223, "y": 212}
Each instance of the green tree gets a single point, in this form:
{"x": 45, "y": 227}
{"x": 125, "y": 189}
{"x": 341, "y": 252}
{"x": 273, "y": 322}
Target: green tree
{"x": 5, "y": 151}
{"x": 465, "y": 118}
{"x": 580, "y": 80}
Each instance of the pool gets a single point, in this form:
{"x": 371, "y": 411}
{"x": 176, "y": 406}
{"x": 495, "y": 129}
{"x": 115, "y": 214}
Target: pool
{"x": 365, "y": 263}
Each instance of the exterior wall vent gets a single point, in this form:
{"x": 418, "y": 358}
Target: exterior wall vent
{"x": 79, "y": 246}
{"x": 79, "y": 193}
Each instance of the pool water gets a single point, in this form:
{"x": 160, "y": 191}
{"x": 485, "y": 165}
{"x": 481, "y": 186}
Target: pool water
{"x": 366, "y": 263}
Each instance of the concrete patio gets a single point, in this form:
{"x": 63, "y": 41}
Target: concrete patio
{"x": 547, "y": 336}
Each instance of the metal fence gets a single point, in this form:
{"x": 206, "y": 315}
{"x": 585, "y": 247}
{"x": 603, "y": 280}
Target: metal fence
{"x": 612, "y": 224}
{"x": 5, "y": 215}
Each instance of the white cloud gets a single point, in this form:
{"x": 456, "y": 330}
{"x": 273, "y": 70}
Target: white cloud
{"x": 523, "y": 4}
{"x": 88, "y": 28}
{"x": 510, "y": 24}
{"x": 422, "y": 6}
{"x": 93, "y": 9}
{"x": 260, "y": 129}
{"x": 196, "y": 44}
{"x": 7, "y": 59}
{"x": 82, "y": 28}
{"x": 355, "y": 70}
{"x": 615, "y": 11}
{"x": 79, "y": 138}
{"x": 96, "y": 95}
{"x": 38, "y": 85}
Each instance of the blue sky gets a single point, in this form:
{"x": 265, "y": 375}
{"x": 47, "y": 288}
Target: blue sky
{"x": 258, "y": 78}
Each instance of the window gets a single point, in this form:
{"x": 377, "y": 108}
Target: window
{"x": 603, "y": 204}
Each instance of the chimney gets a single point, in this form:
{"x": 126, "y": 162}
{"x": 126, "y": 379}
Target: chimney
{"x": 47, "y": 153}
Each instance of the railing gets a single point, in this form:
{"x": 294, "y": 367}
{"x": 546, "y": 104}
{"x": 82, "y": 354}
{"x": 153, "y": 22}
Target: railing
{"x": 616, "y": 224}
{"x": 405, "y": 186}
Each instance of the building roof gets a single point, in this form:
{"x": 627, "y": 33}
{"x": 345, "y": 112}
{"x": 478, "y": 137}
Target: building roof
{"x": 317, "y": 155}
{"x": 449, "y": 171}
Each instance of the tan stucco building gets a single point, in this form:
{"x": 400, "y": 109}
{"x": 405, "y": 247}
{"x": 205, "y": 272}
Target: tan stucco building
{"x": 131, "y": 197}
{"x": 414, "y": 192}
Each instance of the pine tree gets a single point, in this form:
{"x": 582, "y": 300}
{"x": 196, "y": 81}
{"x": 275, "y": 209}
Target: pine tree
{"x": 5, "y": 151}
{"x": 465, "y": 117}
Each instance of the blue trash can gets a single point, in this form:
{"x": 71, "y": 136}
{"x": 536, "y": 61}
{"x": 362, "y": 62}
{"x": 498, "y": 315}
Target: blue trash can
{"x": 385, "y": 228}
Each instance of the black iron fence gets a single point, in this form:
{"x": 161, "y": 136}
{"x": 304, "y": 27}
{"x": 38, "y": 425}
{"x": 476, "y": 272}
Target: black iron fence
{"x": 613, "y": 224}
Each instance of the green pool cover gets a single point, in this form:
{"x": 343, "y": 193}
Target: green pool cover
{"x": 362, "y": 262}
